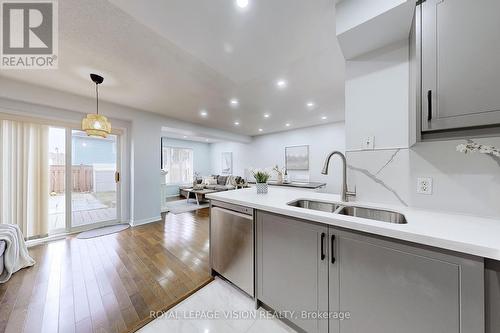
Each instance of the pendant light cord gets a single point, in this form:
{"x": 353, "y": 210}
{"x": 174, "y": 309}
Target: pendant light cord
{"x": 97, "y": 96}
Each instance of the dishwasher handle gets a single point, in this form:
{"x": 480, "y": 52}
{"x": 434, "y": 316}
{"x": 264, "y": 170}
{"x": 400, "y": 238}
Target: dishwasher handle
{"x": 232, "y": 207}
{"x": 232, "y": 212}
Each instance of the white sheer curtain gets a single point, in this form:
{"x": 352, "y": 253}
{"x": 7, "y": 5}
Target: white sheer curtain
{"x": 24, "y": 176}
{"x": 179, "y": 164}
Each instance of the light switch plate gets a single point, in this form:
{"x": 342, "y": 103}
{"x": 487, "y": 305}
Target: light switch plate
{"x": 424, "y": 185}
{"x": 369, "y": 143}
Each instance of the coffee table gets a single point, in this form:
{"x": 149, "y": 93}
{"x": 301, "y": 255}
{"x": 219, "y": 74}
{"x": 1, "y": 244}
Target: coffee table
{"x": 199, "y": 195}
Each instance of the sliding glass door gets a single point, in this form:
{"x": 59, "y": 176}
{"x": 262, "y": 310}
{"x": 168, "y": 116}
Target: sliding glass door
{"x": 94, "y": 178}
{"x": 55, "y": 179}
{"x": 83, "y": 180}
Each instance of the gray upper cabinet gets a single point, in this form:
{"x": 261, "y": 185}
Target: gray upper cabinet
{"x": 460, "y": 50}
{"x": 292, "y": 268}
{"x": 390, "y": 287}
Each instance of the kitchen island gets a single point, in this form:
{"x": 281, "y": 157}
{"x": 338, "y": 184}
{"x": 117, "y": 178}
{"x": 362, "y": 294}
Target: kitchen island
{"x": 424, "y": 275}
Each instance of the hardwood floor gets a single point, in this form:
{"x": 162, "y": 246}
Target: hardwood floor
{"x": 109, "y": 283}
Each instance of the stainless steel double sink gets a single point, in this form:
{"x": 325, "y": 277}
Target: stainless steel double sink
{"x": 351, "y": 210}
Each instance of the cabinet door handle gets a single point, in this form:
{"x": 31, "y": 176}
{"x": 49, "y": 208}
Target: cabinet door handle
{"x": 429, "y": 105}
{"x": 323, "y": 256}
{"x": 332, "y": 245}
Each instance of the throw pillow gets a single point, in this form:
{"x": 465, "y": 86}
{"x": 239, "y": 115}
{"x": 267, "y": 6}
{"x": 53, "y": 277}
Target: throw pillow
{"x": 210, "y": 181}
{"x": 222, "y": 180}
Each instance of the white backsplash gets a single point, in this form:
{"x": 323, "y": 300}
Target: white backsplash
{"x": 462, "y": 183}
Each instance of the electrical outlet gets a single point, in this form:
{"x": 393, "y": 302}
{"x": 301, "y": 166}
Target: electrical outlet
{"x": 369, "y": 143}
{"x": 424, "y": 185}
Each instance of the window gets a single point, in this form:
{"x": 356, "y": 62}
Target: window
{"x": 178, "y": 163}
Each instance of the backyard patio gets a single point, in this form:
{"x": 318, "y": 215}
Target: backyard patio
{"x": 87, "y": 208}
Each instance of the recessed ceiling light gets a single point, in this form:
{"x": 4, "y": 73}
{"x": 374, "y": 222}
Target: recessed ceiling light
{"x": 267, "y": 115}
{"x": 260, "y": 129}
{"x": 281, "y": 83}
{"x": 311, "y": 105}
{"x": 242, "y": 3}
{"x": 287, "y": 124}
{"x": 236, "y": 123}
{"x": 203, "y": 113}
{"x": 234, "y": 102}
{"x": 324, "y": 118}
{"x": 228, "y": 48}
{"x": 185, "y": 137}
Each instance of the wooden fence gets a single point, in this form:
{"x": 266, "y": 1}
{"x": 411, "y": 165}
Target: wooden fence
{"x": 82, "y": 177}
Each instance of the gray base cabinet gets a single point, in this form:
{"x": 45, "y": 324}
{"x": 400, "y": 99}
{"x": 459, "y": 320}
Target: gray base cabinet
{"x": 291, "y": 273}
{"x": 392, "y": 287}
{"x": 385, "y": 286}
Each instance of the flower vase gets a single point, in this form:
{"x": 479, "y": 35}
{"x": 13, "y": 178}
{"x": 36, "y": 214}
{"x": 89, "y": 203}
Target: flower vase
{"x": 261, "y": 188}
{"x": 279, "y": 179}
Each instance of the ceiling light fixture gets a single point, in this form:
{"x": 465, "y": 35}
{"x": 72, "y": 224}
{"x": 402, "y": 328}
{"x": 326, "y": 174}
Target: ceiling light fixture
{"x": 234, "y": 102}
{"x": 282, "y": 84}
{"x": 228, "y": 48}
{"x": 242, "y": 3}
{"x": 287, "y": 124}
{"x": 267, "y": 115}
{"x": 95, "y": 124}
{"x": 185, "y": 137}
{"x": 203, "y": 113}
{"x": 311, "y": 105}
{"x": 324, "y": 118}
{"x": 260, "y": 130}
{"x": 236, "y": 123}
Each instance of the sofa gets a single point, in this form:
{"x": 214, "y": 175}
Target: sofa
{"x": 215, "y": 182}
{"x": 2, "y": 250}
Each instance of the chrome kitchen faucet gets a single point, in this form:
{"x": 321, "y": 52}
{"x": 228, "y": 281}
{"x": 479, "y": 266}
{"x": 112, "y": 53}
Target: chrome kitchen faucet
{"x": 345, "y": 193}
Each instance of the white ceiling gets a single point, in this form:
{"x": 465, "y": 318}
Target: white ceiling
{"x": 177, "y": 57}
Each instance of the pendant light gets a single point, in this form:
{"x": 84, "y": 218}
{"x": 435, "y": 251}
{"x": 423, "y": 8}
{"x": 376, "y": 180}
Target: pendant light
{"x": 95, "y": 124}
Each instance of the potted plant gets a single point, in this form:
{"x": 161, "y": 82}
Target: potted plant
{"x": 261, "y": 178}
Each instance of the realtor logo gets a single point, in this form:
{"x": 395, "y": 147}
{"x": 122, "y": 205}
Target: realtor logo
{"x": 29, "y": 34}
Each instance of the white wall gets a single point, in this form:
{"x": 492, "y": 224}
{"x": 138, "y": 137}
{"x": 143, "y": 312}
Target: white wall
{"x": 377, "y": 103}
{"x": 243, "y": 156}
{"x": 141, "y": 164}
{"x": 377, "y": 96}
{"x": 350, "y": 13}
{"x": 265, "y": 151}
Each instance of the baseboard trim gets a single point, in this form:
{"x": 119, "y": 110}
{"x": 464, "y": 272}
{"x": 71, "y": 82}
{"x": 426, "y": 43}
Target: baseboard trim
{"x": 135, "y": 223}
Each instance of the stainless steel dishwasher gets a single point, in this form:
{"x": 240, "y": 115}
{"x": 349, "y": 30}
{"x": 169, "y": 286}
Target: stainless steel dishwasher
{"x": 232, "y": 244}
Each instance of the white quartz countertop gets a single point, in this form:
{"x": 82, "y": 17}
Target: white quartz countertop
{"x": 462, "y": 233}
